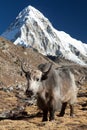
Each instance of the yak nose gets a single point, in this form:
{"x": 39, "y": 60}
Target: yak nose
{"x": 29, "y": 93}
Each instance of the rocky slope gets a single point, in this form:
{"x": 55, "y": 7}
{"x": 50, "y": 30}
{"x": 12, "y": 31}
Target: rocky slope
{"x": 10, "y": 57}
{"x": 32, "y": 29}
{"x": 14, "y": 102}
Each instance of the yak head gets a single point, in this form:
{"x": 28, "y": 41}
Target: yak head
{"x": 35, "y": 78}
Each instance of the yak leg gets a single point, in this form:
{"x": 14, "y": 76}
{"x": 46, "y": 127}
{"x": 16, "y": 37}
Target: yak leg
{"x": 45, "y": 113}
{"x": 51, "y": 111}
{"x": 62, "y": 112}
{"x": 71, "y": 110}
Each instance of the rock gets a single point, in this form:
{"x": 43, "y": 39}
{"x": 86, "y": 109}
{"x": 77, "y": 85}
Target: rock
{"x": 15, "y": 113}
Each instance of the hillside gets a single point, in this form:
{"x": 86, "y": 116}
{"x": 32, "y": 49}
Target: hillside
{"x": 10, "y": 57}
{"x": 13, "y": 85}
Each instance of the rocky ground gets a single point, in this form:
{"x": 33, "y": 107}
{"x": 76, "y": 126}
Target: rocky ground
{"x": 16, "y": 111}
{"x": 33, "y": 119}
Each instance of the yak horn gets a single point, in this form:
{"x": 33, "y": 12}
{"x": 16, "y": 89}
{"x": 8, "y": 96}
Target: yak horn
{"x": 23, "y": 68}
{"x": 44, "y": 75}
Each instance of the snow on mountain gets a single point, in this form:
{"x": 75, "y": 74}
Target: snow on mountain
{"x": 32, "y": 29}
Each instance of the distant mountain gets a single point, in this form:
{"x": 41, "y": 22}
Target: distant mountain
{"x": 32, "y": 29}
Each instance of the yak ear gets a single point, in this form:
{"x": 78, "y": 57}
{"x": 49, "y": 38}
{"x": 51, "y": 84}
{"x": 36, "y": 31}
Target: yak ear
{"x": 44, "y": 77}
{"x": 45, "y": 74}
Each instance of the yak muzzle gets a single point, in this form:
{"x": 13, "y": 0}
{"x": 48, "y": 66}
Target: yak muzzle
{"x": 29, "y": 93}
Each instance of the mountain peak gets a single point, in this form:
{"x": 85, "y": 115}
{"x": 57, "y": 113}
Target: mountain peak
{"x": 32, "y": 29}
{"x": 30, "y": 11}
{"x": 27, "y": 11}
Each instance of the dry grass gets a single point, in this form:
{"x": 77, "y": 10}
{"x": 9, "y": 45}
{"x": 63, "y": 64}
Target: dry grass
{"x": 79, "y": 122}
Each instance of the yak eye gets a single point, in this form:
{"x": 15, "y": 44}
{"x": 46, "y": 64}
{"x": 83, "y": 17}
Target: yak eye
{"x": 37, "y": 79}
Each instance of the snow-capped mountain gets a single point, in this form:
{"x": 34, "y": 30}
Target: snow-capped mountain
{"x": 32, "y": 29}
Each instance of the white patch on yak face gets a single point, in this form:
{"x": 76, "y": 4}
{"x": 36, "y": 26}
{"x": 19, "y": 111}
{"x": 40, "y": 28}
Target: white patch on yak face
{"x": 34, "y": 86}
{"x": 35, "y": 81}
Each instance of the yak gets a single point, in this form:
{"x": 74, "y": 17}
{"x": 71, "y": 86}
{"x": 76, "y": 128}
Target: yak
{"x": 53, "y": 87}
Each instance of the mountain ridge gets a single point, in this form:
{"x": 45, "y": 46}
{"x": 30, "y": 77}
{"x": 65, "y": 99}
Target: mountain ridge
{"x": 32, "y": 29}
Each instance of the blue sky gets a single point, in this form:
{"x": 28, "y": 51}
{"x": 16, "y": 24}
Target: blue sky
{"x": 65, "y": 15}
